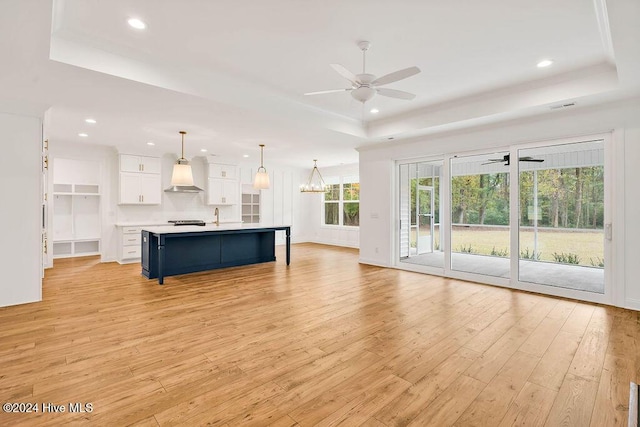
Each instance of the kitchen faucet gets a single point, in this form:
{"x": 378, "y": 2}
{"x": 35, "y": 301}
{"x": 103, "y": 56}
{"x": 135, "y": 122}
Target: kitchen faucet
{"x": 217, "y": 214}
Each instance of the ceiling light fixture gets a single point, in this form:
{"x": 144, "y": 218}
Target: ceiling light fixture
{"x": 545, "y": 63}
{"x": 83, "y": 135}
{"x": 151, "y": 143}
{"x": 137, "y": 24}
{"x": 204, "y": 150}
{"x": 91, "y": 121}
{"x": 245, "y": 155}
{"x": 182, "y": 177}
{"x": 374, "y": 111}
{"x": 315, "y": 184}
{"x": 261, "y": 181}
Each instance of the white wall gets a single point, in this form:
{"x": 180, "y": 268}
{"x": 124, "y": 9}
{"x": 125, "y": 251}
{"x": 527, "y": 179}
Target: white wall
{"x": 20, "y": 173}
{"x": 281, "y": 204}
{"x": 377, "y": 219}
{"x": 316, "y": 231}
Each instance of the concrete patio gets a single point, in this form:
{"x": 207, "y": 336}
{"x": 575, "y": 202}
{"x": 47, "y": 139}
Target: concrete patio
{"x": 578, "y": 277}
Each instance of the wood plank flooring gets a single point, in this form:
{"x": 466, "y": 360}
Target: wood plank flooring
{"x": 325, "y": 341}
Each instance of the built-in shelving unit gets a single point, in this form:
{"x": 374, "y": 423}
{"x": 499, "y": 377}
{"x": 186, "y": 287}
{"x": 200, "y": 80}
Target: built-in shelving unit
{"x": 251, "y": 207}
{"x": 76, "y": 208}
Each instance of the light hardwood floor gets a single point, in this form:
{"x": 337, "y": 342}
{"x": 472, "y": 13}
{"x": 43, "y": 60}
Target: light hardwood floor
{"x": 325, "y": 341}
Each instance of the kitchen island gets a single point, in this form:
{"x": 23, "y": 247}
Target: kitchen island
{"x": 171, "y": 250}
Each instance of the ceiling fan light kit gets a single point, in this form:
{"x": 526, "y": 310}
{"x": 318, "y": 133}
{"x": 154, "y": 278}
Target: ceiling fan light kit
{"x": 315, "y": 183}
{"x": 365, "y": 86}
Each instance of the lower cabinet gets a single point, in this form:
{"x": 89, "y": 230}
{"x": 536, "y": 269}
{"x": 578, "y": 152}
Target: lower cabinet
{"x": 130, "y": 244}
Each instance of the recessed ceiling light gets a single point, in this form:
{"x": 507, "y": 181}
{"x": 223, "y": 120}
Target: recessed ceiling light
{"x": 83, "y": 135}
{"x": 245, "y": 155}
{"x": 151, "y": 143}
{"x": 92, "y": 121}
{"x": 375, "y": 111}
{"x": 137, "y": 24}
{"x": 545, "y": 63}
{"x": 204, "y": 150}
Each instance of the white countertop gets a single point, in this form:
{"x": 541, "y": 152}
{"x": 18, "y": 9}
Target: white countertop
{"x": 171, "y": 229}
{"x": 159, "y": 223}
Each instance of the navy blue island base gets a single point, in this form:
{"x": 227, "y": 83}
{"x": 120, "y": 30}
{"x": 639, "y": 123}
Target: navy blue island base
{"x": 167, "y": 251}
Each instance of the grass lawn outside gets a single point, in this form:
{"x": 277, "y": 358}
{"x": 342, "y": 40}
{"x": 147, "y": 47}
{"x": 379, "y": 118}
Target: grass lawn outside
{"x": 587, "y": 245}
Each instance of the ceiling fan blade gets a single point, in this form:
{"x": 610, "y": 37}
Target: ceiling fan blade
{"x": 530, "y": 159}
{"x": 395, "y": 93}
{"x": 327, "y": 91}
{"x": 345, "y": 73}
{"x": 395, "y": 76}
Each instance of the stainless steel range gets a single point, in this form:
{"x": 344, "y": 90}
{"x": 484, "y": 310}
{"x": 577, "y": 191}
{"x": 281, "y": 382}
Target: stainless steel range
{"x": 187, "y": 222}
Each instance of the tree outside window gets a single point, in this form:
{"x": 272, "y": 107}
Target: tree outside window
{"x": 342, "y": 202}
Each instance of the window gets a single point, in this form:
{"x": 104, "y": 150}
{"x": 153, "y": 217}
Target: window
{"x": 341, "y": 204}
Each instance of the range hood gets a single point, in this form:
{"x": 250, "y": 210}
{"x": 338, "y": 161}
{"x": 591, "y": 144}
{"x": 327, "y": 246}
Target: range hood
{"x": 182, "y": 177}
{"x": 183, "y": 189}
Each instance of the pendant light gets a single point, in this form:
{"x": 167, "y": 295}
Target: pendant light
{"x": 261, "y": 182}
{"x": 316, "y": 183}
{"x": 182, "y": 176}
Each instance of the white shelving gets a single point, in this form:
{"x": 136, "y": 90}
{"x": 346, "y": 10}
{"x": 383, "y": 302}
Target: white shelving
{"x": 76, "y": 208}
{"x": 251, "y": 207}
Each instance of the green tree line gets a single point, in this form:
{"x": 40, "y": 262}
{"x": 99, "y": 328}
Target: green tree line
{"x": 567, "y": 198}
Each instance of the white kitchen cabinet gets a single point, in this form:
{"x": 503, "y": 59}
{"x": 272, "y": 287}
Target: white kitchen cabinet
{"x": 140, "y": 180}
{"x": 130, "y": 244}
{"x": 223, "y": 171}
{"x": 140, "y": 164}
{"x": 222, "y": 191}
{"x": 140, "y": 189}
{"x": 223, "y": 185}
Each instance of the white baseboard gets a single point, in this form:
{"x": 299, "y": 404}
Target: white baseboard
{"x": 372, "y": 262}
{"x": 632, "y": 304}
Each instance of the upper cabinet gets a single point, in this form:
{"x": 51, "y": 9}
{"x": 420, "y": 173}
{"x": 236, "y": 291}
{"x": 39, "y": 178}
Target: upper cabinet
{"x": 140, "y": 181}
{"x": 223, "y": 187}
{"x": 141, "y": 164}
{"x": 219, "y": 170}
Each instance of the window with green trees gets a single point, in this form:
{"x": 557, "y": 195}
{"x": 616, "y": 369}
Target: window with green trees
{"x": 341, "y": 203}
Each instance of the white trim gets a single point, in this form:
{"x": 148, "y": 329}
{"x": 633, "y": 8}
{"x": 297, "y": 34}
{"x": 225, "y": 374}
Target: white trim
{"x": 373, "y": 262}
{"x": 633, "y": 304}
{"x": 602, "y": 16}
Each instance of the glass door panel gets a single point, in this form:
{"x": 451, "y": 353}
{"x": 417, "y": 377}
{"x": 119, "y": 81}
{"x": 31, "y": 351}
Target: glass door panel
{"x": 425, "y": 219}
{"x": 419, "y": 214}
{"x": 480, "y": 228}
{"x": 561, "y": 213}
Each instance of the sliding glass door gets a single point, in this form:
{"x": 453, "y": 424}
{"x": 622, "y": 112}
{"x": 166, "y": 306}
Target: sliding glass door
{"x": 480, "y": 214}
{"x": 532, "y": 217}
{"x": 562, "y": 216}
{"x": 420, "y": 239}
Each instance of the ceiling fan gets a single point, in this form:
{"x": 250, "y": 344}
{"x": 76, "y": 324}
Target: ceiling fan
{"x": 506, "y": 160}
{"x": 364, "y": 86}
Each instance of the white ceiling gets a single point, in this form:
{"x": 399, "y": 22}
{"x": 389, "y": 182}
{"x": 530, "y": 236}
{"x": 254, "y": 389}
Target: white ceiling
{"x": 233, "y": 74}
